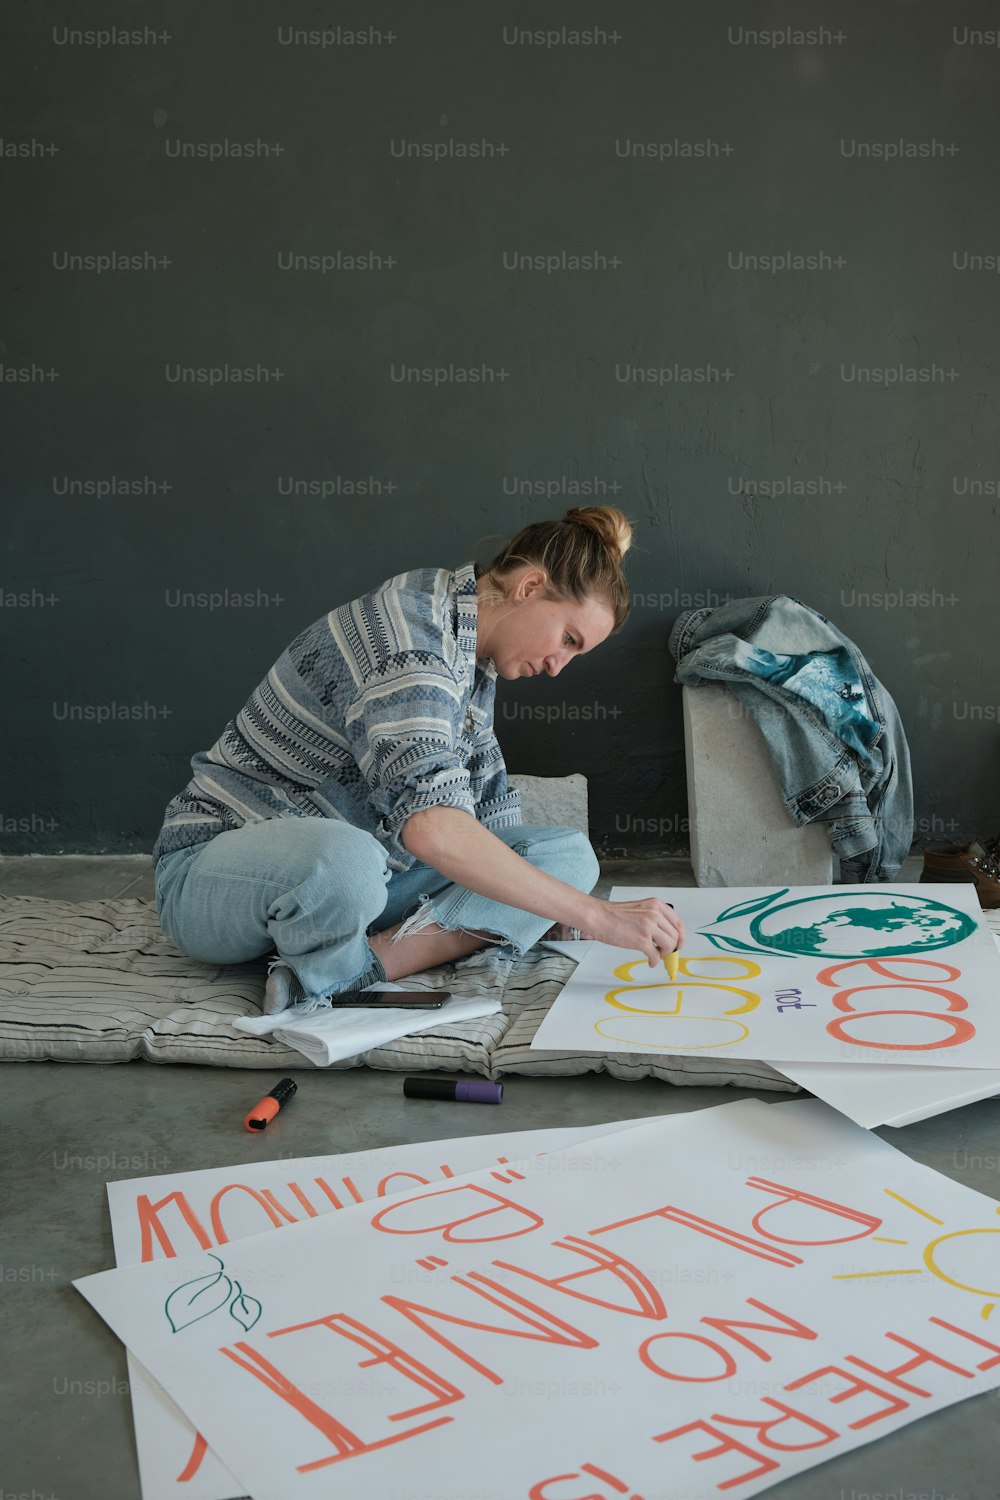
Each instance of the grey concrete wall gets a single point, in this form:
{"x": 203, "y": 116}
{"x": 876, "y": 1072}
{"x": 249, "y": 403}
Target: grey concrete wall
{"x": 673, "y": 147}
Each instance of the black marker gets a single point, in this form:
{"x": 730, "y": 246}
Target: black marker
{"x": 461, "y": 1090}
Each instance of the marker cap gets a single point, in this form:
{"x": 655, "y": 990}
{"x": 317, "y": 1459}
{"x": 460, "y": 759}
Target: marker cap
{"x": 262, "y": 1114}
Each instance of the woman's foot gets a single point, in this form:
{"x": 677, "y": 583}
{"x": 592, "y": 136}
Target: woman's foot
{"x": 282, "y": 988}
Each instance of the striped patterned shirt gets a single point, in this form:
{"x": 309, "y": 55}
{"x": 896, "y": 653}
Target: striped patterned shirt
{"x": 375, "y": 711}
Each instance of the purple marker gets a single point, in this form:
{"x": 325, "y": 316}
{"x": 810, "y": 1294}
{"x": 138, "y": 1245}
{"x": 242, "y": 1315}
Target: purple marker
{"x": 462, "y": 1090}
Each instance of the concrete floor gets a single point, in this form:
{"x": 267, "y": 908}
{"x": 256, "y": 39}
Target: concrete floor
{"x": 66, "y": 1408}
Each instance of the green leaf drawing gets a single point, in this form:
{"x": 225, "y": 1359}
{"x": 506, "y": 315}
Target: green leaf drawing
{"x": 183, "y": 1307}
{"x": 728, "y": 944}
{"x": 757, "y": 903}
{"x": 246, "y": 1310}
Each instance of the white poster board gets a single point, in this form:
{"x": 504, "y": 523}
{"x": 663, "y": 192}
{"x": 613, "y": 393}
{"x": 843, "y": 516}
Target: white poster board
{"x": 874, "y": 1096}
{"x": 611, "y": 1312}
{"x": 888, "y": 974}
{"x": 174, "y": 1213}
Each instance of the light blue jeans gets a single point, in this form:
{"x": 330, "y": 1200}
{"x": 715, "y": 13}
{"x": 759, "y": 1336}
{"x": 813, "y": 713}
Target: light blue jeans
{"x": 315, "y": 889}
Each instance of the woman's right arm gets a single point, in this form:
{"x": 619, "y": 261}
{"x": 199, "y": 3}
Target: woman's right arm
{"x": 452, "y": 842}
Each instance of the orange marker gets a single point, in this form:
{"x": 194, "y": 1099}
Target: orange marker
{"x": 268, "y": 1107}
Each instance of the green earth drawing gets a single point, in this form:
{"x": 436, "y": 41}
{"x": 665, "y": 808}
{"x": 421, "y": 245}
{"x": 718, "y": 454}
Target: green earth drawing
{"x": 850, "y": 924}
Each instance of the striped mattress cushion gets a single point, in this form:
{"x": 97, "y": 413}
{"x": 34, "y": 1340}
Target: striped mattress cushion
{"x": 99, "y": 981}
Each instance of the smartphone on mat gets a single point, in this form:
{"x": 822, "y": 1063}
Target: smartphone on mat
{"x": 400, "y": 999}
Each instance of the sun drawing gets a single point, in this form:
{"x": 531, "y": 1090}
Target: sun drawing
{"x": 934, "y": 1252}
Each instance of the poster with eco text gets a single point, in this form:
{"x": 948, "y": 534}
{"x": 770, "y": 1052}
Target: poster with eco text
{"x": 898, "y": 974}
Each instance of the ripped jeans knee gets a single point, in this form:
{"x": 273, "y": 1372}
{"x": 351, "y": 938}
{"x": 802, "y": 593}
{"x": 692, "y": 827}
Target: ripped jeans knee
{"x": 502, "y": 929}
{"x": 427, "y": 915}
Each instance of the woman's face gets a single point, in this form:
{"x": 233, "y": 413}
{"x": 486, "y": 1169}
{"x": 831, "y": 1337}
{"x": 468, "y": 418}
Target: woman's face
{"x": 528, "y": 634}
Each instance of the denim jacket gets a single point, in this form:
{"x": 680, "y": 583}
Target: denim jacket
{"x": 839, "y": 751}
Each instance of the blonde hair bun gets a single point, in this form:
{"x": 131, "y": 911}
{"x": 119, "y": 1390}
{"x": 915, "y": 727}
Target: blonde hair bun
{"x": 579, "y": 566}
{"x": 609, "y": 524}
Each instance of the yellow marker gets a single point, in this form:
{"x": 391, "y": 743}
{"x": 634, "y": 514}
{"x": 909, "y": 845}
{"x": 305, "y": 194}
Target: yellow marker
{"x": 673, "y": 959}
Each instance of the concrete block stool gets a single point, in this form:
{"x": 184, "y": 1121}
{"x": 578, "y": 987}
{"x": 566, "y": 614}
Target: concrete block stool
{"x": 741, "y": 831}
{"x": 558, "y": 800}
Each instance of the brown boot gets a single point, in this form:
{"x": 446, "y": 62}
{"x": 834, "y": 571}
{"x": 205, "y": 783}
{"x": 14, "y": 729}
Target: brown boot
{"x": 945, "y": 862}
